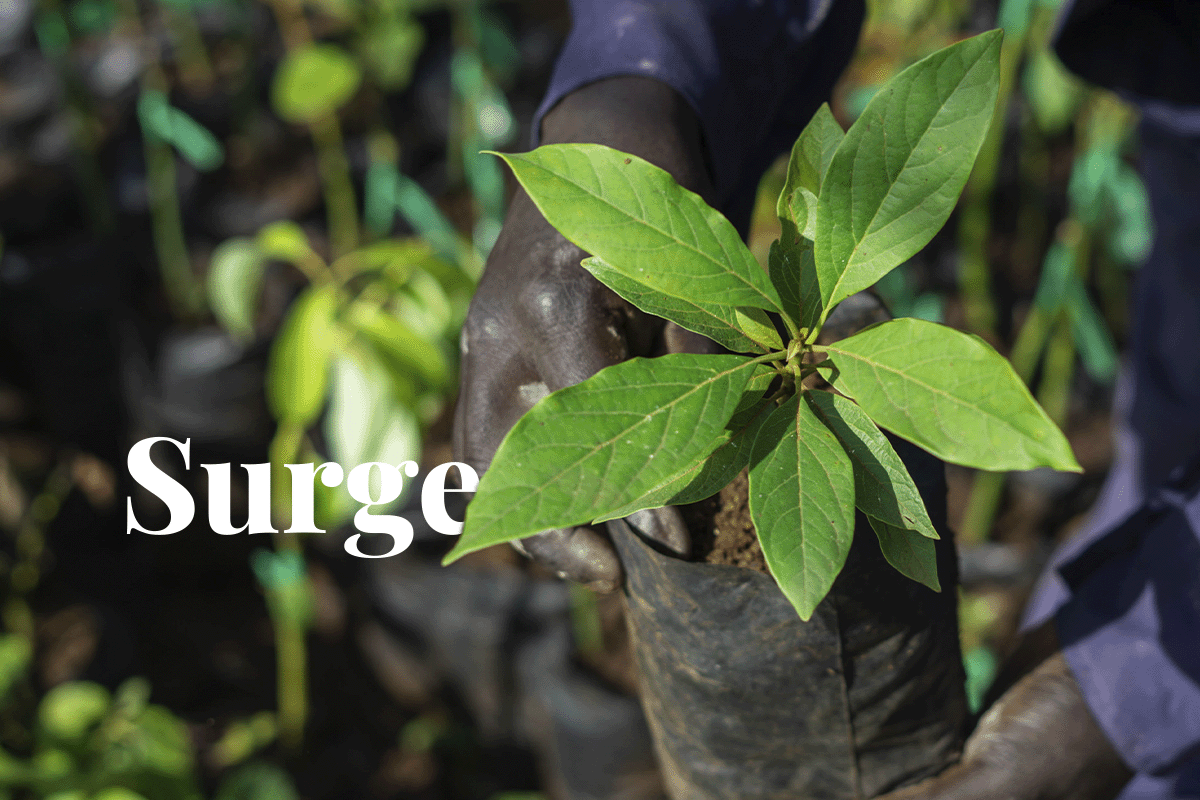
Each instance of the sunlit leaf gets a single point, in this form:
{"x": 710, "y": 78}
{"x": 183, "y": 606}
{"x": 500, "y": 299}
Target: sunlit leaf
{"x": 882, "y": 486}
{"x": 740, "y": 330}
{"x": 234, "y": 278}
{"x": 802, "y": 502}
{"x": 642, "y": 223}
{"x": 589, "y": 449}
{"x": 401, "y": 348}
{"x": 70, "y": 710}
{"x": 285, "y": 241}
{"x": 703, "y": 479}
{"x": 810, "y": 157}
{"x": 364, "y": 423}
{"x": 313, "y": 81}
{"x": 298, "y": 371}
{"x": 949, "y": 393}
{"x": 897, "y": 174}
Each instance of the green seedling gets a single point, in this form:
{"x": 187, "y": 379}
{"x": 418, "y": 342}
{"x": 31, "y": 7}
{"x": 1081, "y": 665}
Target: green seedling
{"x": 675, "y": 429}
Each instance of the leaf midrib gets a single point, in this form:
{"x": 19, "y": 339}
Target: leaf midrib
{"x": 598, "y": 447}
{"x": 929, "y": 387}
{"x": 867, "y": 230}
{"x": 724, "y": 268}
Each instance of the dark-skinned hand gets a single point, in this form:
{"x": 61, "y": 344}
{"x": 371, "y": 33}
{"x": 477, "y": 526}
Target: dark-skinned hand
{"x": 539, "y": 321}
{"x": 1038, "y": 741}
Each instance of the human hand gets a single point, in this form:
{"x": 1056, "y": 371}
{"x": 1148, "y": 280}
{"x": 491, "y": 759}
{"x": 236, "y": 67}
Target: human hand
{"x": 1039, "y": 741}
{"x": 539, "y": 321}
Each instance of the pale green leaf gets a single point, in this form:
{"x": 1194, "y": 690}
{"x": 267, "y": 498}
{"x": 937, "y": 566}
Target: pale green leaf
{"x": 810, "y": 157}
{"x": 591, "y": 448}
{"x": 364, "y": 423}
{"x": 313, "y": 81}
{"x": 802, "y": 502}
{"x": 70, "y": 710}
{"x": 883, "y": 489}
{"x": 400, "y": 347}
{"x": 949, "y": 393}
{"x": 740, "y": 330}
{"x": 234, "y": 278}
{"x": 913, "y": 555}
{"x": 298, "y": 371}
{"x": 286, "y": 241}
{"x": 642, "y": 223}
{"x": 896, "y": 176}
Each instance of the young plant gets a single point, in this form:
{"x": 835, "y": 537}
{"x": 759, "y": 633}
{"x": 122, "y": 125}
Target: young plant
{"x": 676, "y": 429}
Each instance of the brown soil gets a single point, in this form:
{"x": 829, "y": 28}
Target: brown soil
{"x": 722, "y": 532}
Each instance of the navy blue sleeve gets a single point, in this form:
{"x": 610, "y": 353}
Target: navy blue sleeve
{"x": 753, "y": 70}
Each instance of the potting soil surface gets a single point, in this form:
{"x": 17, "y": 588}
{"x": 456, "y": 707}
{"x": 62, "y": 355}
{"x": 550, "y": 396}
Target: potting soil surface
{"x": 722, "y": 532}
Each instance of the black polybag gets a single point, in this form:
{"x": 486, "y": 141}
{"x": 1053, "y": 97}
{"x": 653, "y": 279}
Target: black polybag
{"x": 747, "y": 701}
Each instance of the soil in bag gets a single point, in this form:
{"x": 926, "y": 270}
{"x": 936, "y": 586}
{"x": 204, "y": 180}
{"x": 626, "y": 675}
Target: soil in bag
{"x": 747, "y": 701}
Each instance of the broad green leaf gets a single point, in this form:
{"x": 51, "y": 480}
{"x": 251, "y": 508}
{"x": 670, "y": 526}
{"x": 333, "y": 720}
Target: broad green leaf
{"x": 704, "y": 478}
{"x": 896, "y": 176}
{"x": 365, "y": 423}
{"x": 400, "y": 347}
{"x": 911, "y": 554}
{"x": 314, "y": 81}
{"x": 950, "y": 393}
{"x": 258, "y": 780}
{"x": 883, "y": 489}
{"x": 298, "y": 372}
{"x": 740, "y": 330}
{"x": 802, "y": 502}
{"x": 285, "y": 241}
{"x": 591, "y": 448}
{"x": 1052, "y": 92}
{"x": 390, "y": 48}
{"x": 641, "y": 222}
{"x": 69, "y": 710}
{"x": 810, "y": 158}
{"x": 234, "y": 278}
{"x": 795, "y": 277}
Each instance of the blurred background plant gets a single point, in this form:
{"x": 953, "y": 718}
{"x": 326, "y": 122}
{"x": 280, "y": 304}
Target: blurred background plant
{"x": 257, "y": 224}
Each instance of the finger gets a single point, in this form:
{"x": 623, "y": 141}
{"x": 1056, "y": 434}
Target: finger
{"x": 664, "y": 526}
{"x": 959, "y": 782}
{"x": 579, "y": 554}
{"x": 496, "y": 390}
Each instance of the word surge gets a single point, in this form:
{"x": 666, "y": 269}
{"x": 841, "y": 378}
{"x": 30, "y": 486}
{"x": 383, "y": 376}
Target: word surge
{"x": 388, "y": 484}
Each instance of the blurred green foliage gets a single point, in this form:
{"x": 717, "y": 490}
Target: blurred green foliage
{"x": 81, "y": 742}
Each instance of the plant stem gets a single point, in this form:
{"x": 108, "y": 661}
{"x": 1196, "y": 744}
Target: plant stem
{"x": 288, "y": 623}
{"x": 341, "y": 206}
{"x": 1055, "y": 391}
